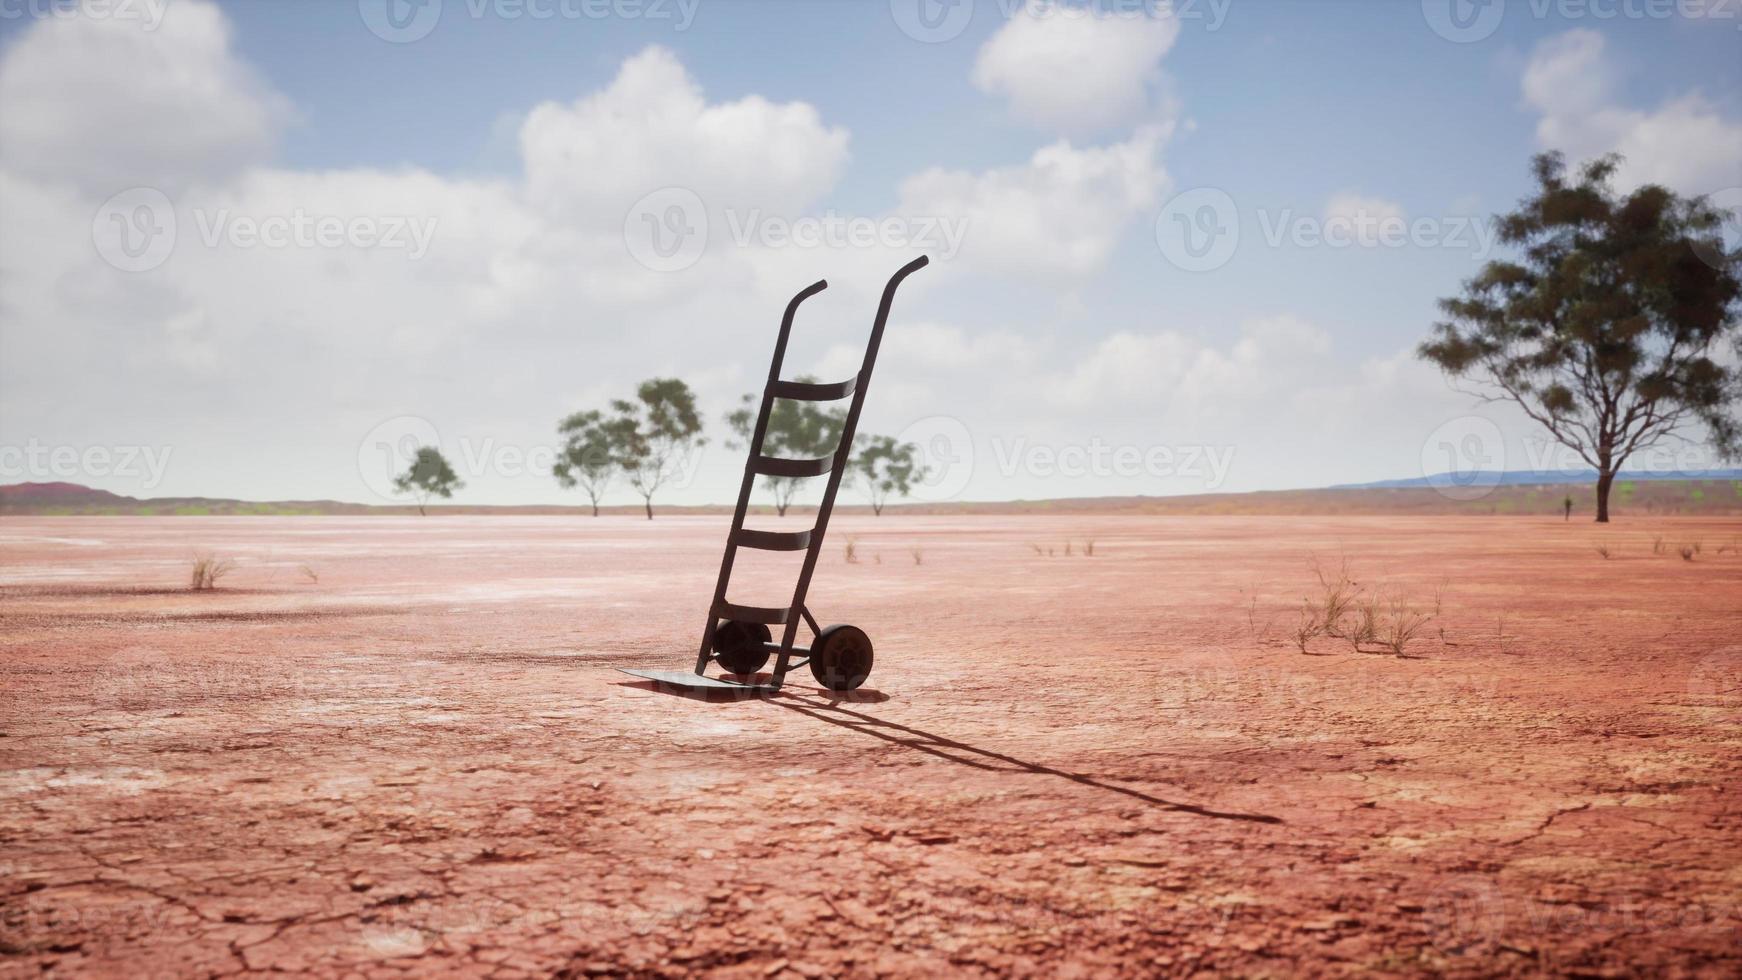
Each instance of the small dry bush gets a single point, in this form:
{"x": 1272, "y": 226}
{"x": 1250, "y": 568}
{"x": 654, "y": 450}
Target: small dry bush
{"x": 918, "y": 556}
{"x": 1088, "y": 549}
{"x": 207, "y": 570}
{"x": 1657, "y": 545}
{"x": 852, "y": 552}
{"x": 1401, "y": 624}
{"x": 1604, "y": 550}
{"x": 1688, "y": 551}
{"x": 1369, "y": 620}
{"x": 308, "y": 574}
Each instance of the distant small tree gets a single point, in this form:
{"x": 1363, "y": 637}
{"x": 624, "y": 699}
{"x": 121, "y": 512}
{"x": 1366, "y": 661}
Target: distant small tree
{"x": 588, "y": 457}
{"x": 429, "y": 476}
{"x": 796, "y": 430}
{"x": 887, "y": 467}
{"x": 650, "y": 435}
{"x": 1609, "y": 327}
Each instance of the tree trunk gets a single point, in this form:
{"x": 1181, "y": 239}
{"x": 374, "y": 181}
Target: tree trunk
{"x": 876, "y": 509}
{"x": 779, "y": 509}
{"x": 649, "y": 501}
{"x": 420, "y": 512}
{"x": 1605, "y": 479}
{"x": 595, "y": 508}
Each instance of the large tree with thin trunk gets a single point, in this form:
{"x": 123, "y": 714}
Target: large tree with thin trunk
{"x": 652, "y": 434}
{"x": 796, "y": 430}
{"x": 588, "y": 459}
{"x": 1615, "y": 323}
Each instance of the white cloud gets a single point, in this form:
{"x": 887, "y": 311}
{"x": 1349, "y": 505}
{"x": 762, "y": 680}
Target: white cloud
{"x": 1685, "y": 144}
{"x": 527, "y": 296}
{"x": 1075, "y": 69}
{"x": 1364, "y": 220}
{"x": 106, "y": 104}
{"x": 1169, "y": 371}
{"x": 652, "y": 127}
{"x": 1055, "y": 218}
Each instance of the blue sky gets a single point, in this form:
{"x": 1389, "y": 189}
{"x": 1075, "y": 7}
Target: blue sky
{"x": 259, "y": 373}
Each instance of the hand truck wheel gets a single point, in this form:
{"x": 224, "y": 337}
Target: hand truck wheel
{"x": 841, "y": 657}
{"x": 738, "y": 646}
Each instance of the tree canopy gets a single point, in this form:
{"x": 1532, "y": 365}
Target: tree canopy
{"x": 1615, "y": 324}
{"x": 428, "y": 476}
{"x": 650, "y": 435}
{"x": 887, "y": 467}
{"x": 796, "y": 430}
{"x": 588, "y": 458}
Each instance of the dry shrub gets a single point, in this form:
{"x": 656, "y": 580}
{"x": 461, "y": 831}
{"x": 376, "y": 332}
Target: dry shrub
{"x": 852, "y": 552}
{"x": 308, "y": 574}
{"x": 1089, "y": 549}
{"x": 918, "y": 556}
{"x": 1402, "y": 622}
{"x": 1365, "y": 619}
{"x": 1687, "y": 551}
{"x": 1604, "y": 550}
{"x": 207, "y": 570}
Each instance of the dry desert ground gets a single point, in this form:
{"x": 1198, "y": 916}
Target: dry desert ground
{"x": 392, "y": 746}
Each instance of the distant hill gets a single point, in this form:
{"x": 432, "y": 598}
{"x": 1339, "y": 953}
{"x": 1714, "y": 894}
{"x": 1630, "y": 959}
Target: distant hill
{"x": 1717, "y": 495}
{"x": 1522, "y": 478}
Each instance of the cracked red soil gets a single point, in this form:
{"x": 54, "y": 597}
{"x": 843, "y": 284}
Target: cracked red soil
{"x": 1107, "y": 765}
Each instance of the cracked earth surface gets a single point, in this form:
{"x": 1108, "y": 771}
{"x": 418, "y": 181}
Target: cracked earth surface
{"x": 415, "y": 757}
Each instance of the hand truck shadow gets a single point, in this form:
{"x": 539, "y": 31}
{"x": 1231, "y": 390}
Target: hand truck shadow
{"x": 828, "y": 709}
{"x": 718, "y": 695}
{"x": 961, "y": 753}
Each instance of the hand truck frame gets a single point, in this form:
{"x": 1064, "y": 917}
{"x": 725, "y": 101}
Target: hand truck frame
{"x": 738, "y": 637}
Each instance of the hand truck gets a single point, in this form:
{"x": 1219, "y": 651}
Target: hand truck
{"x": 738, "y": 637}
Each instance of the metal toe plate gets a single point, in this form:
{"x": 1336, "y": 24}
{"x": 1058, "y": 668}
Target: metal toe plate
{"x": 696, "y": 682}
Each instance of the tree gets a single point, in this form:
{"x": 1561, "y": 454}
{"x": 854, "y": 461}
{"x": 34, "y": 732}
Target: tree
{"x": 1608, "y": 327}
{"x": 649, "y": 435}
{"x": 887, "y": 467}
{"x": 429, "y": 476}
{"x": 587, "y": 459}
{"x": 796, "y": 430}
